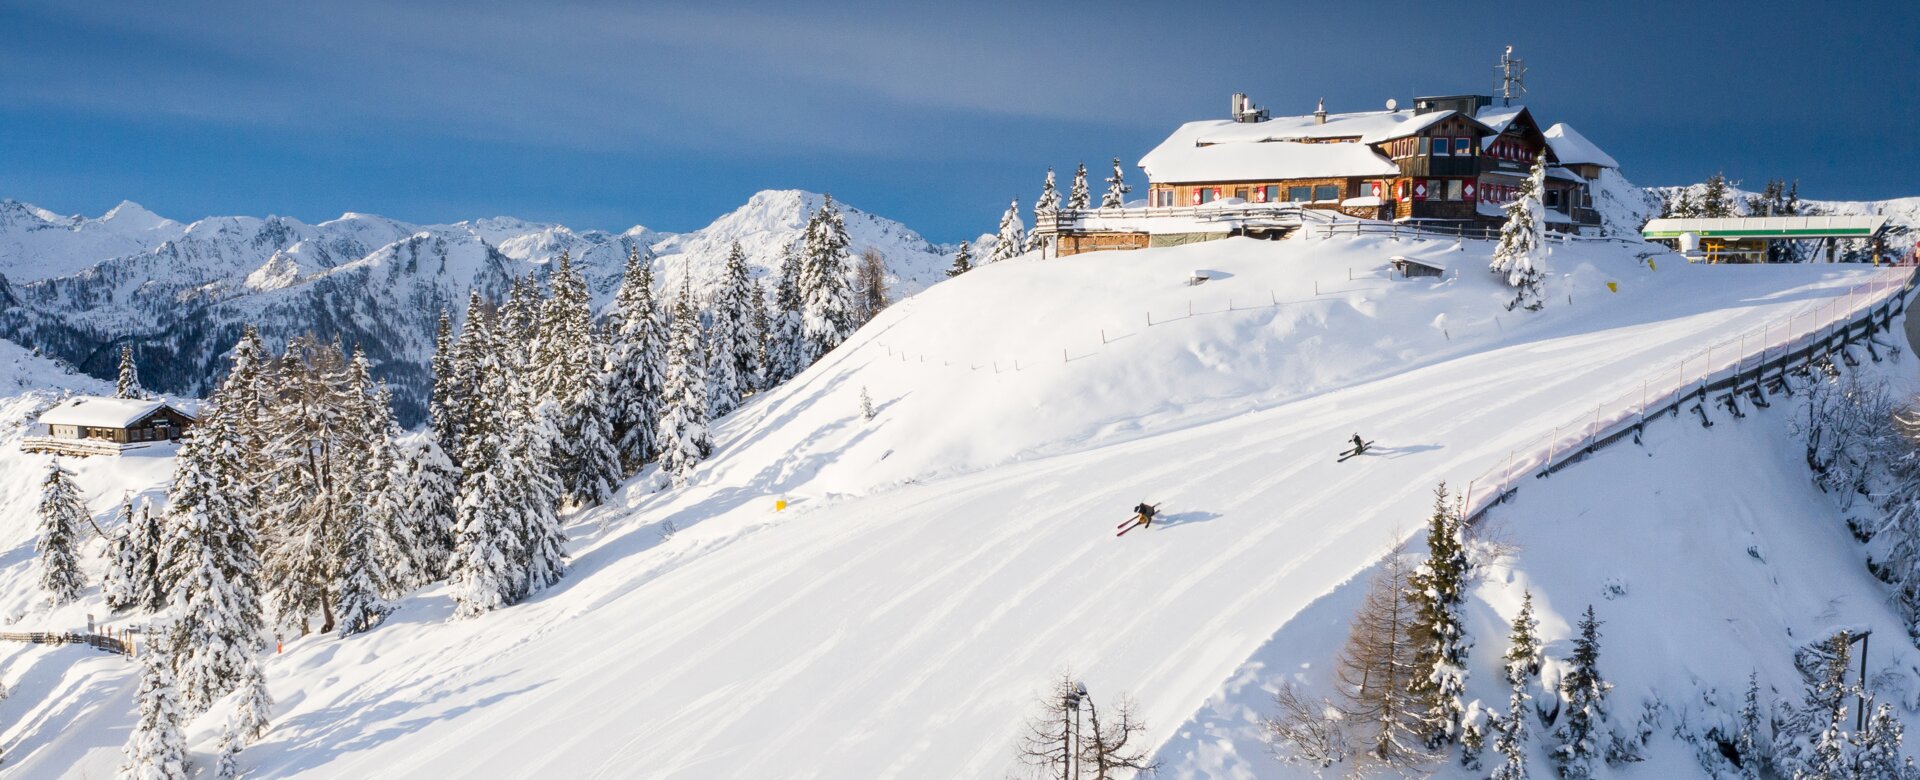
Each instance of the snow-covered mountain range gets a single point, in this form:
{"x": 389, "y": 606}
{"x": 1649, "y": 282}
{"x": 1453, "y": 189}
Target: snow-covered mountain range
{"x": 77, "y": 288}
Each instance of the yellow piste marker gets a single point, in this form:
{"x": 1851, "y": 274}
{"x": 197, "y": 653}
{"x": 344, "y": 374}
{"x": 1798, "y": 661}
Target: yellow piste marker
{"x": 1650, "y": 266}
{"x": 779, "y": 505}
{"x": 1613, "y": 286}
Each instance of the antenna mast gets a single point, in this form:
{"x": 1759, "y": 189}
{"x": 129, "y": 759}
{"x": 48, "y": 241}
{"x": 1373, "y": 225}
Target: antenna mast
{"x": 1513, "y": 77}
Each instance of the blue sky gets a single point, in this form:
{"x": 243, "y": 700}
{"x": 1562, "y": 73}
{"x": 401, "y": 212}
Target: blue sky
{"x": 606, "y": 115}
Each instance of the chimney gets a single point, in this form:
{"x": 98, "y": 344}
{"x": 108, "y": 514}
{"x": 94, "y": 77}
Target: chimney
{"x": 1320, "y": 112}
{"x": 1239, "y": 106}
{"x": 1244, "y": 111}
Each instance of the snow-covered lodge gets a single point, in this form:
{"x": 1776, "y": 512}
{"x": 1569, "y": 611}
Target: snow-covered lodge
{"x": 93, "y": 425}
{"x": 1448, "y": 162}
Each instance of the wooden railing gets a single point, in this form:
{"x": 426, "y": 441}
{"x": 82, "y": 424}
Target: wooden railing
{"x": 78, "y": 448}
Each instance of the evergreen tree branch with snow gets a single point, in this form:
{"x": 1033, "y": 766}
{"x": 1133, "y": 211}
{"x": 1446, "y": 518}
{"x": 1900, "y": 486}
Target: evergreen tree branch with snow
{"x": 1011, "y": 241}
{"x": 1079, "y": 198}
{"x": 1117, "y": 188}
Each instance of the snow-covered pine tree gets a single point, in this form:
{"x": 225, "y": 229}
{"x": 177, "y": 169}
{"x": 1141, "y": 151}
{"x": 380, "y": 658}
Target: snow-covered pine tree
{"x": 1521, "y": 668}
{"x": 1079, "y": 198}
{"x": 541, "y": 543}
{"x": 1011, "y": 241}
{"x": 212, "y": 564}
{"x": 962, "y": 261}
{"x": 1812, "y": 737}
{"x": 373, "y": 537}
{"x": 121, "y": 587}
{"x": 463, "y": 382}
{"x": 1048, "y": 203}
{"x": 430, "y": 486}
{"x": 128, "y": 385}
{"x": 1716, "y": 200}
{"x": 1520, "y": 258}
{"x": 227, "y": 766}
{"x": 866, "y": 404}
{"x": 683, "y": 435}
{"x": 312, "y": 489}
{"x": 1117, "y": 188}
{"x": 150, "y": 588}
{"x": 1585, "y": 694}
{"x": 730, "y": 354}
{"x": 785, "y": 355}
{"x": 248, "y": 395}
{"x": 826, "y": 296}
{"x": 1437, "y": 590}
{"x": 485, "y": 570}
{"x": 1876, "y": 752}
{"x": 156, "y": 748}
{"x": 253, "y": 705}
{"x": 568, "y": 364}
{"x": 62, "y": 510}
{"x": 1750, "y": 738}
{"x": 763, "y": 335}
{"x": 444, "y": 400}
{"x": 636, "y": 370}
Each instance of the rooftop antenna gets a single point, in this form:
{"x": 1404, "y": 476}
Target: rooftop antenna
{"x": 1513, "y": 77}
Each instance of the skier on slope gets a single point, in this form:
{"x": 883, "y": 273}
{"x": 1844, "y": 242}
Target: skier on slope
{"x": 1359, "y": 444}
{"x": 1144, "y": 513}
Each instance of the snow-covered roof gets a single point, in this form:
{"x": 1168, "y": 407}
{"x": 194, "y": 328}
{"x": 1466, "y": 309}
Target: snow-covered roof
{"x": 1364, "y": 201}
{"x": 97, "y": 412}
{"x": 1287, "y": 147}
{"x": 1557, "y": 172}
{"x": 1841, "y": 226}
{"x": 1572, "y": 148}
{"x": 1499, "y": 117}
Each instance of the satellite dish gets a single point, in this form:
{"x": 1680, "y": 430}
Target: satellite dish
{"x": 1393, "y": 105}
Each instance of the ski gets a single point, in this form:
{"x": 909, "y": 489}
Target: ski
{"x": 1129, "y": 523}
{"x": 1350, "y": 453}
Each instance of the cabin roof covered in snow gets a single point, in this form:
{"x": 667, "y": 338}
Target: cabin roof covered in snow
{"x": 1572, "y": 148}
{"x": 1499, "y": 117}
{"x": 1286, "y": 147}
{"x": 97, "y": 412}
{"x": 1837, "y": 226}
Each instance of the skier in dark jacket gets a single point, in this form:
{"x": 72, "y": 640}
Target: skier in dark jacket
{"x": 1359, "y": 445}
{"x": 1145, "y": 513}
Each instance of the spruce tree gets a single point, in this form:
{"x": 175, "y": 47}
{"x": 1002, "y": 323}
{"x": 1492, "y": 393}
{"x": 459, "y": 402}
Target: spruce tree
{"x": 484, "y": 569}
{"x": 253, "y": 705}
{"x": 1011, "y": 241}
{"x": 121, "y": 587}
{"x": 128, "y": 385}
{"x": 1749, "y": 741}
{"x": 312, "y": 492}
{"x": 1079, "y": 198}
{"x": 1585, "y": 694}
{"x": 1048, "y": 204}
{"x": 636, "y": 370}
{"x": 213, "y": 567}
{"x": 826, "y": 297}
{"x": 1437, "y": 589}
{"x": 156, "y": 749}
{"x": 1117, "y": 188}
{"x": 431, "y": 489}
{"x": 962, "y": 261}
{"x": 730, "y": 360}
{"x": 1520, "y": 257}
{"x": 540, "y": 542}
{"x": 1877, "y": 750}
{"x": 683, "y": 435}
{"x": 1813, "y": 736}
{"x": 145, "y": 542}
{"x": 445, "y": 399}
{"x": 1522, "y": 667}
{"x": 62, "y": 510}
{"x": 1716, "y": 200}
{"x": 787, "y": 355}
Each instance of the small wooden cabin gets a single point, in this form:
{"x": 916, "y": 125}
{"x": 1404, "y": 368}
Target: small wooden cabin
{"x": 87, "y": 425}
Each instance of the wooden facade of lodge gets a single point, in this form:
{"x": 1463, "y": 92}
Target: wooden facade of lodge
{"x": 1450, "y": 161}
{"x": 92, "y": 425}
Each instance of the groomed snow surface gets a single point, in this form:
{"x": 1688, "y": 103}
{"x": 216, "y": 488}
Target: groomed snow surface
{"x": 938, "y": 564}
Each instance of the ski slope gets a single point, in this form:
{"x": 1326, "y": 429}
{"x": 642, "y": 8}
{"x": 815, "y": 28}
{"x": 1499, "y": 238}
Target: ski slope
{"x": 941, "y": 562}
{"x": 899, "y": 620}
